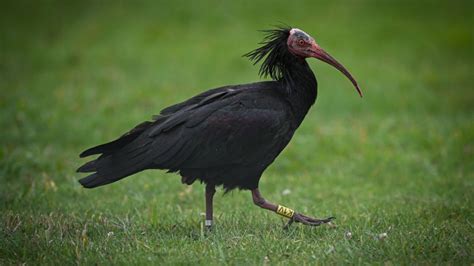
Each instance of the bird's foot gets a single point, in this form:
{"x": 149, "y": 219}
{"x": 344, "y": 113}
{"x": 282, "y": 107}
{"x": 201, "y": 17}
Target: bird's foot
{"x": 306, "y": 220}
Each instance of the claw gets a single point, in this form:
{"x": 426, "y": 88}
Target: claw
{"x": 306, "y": 220}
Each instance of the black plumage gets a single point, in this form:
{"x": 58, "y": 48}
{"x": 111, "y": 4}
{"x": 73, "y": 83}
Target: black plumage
{"x": 225, "y": 136}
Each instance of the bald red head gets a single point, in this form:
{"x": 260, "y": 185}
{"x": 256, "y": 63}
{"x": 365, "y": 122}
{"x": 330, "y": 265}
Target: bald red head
{"x": 303, "y": 45}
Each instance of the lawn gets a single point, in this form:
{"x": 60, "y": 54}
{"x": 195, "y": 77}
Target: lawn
{"x": 395, "y": 168}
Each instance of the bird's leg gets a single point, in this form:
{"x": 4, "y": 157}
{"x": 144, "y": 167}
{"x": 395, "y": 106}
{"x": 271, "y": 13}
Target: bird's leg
{"x": 287, "y": 212}
{"x": 210, "y": 191}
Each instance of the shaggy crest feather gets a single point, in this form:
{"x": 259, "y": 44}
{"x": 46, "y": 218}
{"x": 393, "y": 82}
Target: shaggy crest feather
{"x": 275, "y": 52}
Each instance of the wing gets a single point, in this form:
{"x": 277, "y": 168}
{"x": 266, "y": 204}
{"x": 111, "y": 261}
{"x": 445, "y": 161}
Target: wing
{"x": 240, "y": 127}
{"x": 165, "y": 114}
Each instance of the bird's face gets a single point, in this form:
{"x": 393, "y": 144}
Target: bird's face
{"x": 302, "y": 45}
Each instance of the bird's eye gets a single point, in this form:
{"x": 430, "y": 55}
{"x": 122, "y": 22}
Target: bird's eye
{"x": 301, "y": 42}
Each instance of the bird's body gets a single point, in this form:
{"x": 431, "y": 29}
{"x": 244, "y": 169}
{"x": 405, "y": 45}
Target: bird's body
{"x": 226, "y": 136}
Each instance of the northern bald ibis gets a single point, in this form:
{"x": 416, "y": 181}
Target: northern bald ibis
{"x": 229, "y": 135}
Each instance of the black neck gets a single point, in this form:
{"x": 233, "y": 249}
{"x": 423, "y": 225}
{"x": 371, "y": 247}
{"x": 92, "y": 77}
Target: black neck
{"x": 298, "y": 82}
{"x": 300, "y": 86}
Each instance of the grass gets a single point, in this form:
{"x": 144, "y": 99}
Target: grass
{"x": 398, "y": 162}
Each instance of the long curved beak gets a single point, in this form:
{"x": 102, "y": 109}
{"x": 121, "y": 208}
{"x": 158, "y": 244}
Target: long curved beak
{"x": 319, "y": 53}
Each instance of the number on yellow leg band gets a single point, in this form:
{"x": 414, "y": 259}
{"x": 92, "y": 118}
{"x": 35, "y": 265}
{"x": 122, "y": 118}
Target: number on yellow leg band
{"x": 284, "y": 211}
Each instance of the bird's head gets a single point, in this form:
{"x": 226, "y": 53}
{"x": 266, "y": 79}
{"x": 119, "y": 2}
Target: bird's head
{"x": 285, "y": 44}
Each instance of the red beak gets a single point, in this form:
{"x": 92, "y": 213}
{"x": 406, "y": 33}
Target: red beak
{"x": 319, "y": 53}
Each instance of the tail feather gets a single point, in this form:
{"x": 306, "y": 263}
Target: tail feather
{"x": 118, "y": 159}
{"x": 88, "y": 167}
{"x": 111, "y": 168}
{"x": 112, "y": 146}
{"x": 95, "y": 180}
{"x": 90, "y": 181}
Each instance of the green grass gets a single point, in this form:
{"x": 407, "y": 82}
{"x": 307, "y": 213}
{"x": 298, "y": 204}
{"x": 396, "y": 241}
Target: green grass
{"x": 399, "y": 161}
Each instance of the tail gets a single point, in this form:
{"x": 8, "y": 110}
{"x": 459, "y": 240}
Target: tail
{"x": 119, "y": 158}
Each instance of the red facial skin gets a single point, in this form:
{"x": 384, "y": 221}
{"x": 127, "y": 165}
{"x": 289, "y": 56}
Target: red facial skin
{"x": 302, "y": 45}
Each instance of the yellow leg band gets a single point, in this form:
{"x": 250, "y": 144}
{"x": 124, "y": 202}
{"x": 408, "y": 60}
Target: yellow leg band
{"x": 284, "y": 211}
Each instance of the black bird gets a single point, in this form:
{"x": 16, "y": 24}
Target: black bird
{"x": 229, "y": 135}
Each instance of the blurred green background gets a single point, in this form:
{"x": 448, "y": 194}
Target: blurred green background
{"x": 399, "y": 162}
